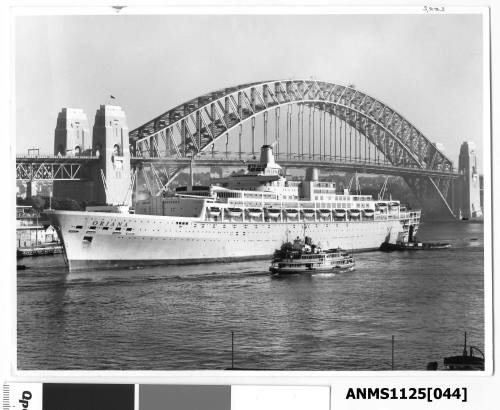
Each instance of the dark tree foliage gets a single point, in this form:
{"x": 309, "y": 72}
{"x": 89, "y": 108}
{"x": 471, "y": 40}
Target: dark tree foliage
{"x": 66, "y": 204}
{"x": 40, "y": 203}
{"x": 37, "y": 202}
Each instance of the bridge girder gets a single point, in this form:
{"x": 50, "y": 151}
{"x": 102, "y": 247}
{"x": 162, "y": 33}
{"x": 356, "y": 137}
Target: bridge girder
{"x": 195, "y": 126}
{"x": 346, "y": 166}
{"x": 205, "y": 119}
{"x": 43, "y": 171}
{"x": 52, "y": 168}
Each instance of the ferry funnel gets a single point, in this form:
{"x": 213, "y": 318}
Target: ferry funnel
{"x": 266, "y": 155}
{"x": 312, "y": 174}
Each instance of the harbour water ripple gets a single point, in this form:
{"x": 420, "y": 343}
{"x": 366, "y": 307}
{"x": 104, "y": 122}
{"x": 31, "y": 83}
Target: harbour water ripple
{"x": 181, "y": 317}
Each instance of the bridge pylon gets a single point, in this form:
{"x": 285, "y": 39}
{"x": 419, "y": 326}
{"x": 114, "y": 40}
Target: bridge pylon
{"x": 72, "y": 135}
{"x": 72, "y": 138}
{"x": 111, "y": 175}
{"x": 108, "y": 179}
{"x": 467, "y": 189}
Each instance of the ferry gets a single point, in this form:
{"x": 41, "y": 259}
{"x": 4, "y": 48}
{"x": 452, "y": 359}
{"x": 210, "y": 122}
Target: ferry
{"x": 246, "y": 215}
{"x": 305, "y": 257}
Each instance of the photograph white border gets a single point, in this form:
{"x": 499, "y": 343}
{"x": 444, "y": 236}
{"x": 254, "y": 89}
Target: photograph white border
{"x": 8, "y": 302}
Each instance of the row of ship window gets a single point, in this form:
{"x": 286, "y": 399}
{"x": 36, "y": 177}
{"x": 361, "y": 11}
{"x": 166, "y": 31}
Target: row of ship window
{"x": 195, "y": 225}
{"x": 344, "y": 205}
{"x": 104, "y": 228}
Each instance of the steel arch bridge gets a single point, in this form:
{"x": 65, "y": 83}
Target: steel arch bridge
{"x": 306, "y": 120}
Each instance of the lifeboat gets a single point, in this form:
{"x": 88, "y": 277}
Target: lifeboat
{"x": 393, "y": 205}
{"x": 324, "y": 213}
{"x": 214, "y": 211}
{"x": 291, "y": 213}
{"x": 381, "y": 205}
{"x": 308, "y": 213}
{"x": 369, "y": 213}
{"x": 354, "y": 213}
{"x": 339, "y": 213}
{"x": 273, "y": 213}
{"x": 234, "y": 212}
{"x": 254, "y": 212}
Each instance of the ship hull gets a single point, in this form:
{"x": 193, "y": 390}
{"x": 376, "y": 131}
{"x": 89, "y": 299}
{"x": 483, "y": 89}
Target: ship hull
{"x": 101, "y": 240}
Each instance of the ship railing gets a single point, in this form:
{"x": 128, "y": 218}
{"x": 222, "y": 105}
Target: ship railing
{"x": 385, "y": 217}
{"x": 291, "y": 203}
{"x": 413, "y": 215}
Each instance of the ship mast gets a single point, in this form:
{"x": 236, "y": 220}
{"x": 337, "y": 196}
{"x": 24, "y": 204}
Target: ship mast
{"x": 190, "y": 187}
{"x": 381, "y": 194}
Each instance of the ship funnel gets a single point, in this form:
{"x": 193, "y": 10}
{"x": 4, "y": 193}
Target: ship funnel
{"x": 312, "y": 174}
{"x": 266, "y": 155}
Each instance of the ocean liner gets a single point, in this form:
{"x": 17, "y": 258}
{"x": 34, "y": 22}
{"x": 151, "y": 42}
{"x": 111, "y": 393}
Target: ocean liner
{"x": 244, "y": 216}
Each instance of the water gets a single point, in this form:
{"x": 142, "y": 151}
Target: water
{"x": 171, "y": 318}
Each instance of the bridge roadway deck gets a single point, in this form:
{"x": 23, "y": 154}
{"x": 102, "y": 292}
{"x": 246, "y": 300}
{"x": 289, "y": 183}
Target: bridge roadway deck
{"x": 53, "y": 159}
{"x": 346, "y": 165}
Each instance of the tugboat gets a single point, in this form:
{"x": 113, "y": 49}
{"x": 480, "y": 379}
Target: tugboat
{"x": 413, "y": 246}
{"x": 305, "y": 257}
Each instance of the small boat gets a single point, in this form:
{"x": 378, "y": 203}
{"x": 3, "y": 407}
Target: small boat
{"x": 468, "y": 360}
{"x": 234, "y": 212}
{"x": 273, "y": 213}
{"x": 308, "y": 212}
{"x": 354, "y": 213}
{"x": 368, "y": 213}
{"x": 254, "y": 212}
{"x": 474, "y": 360}
{"x": 304, "y": 257}
{"x": 413, "y": 246}
{"x": 324, "y": 213}
{"x": 291, "y": 213}
{"x": 340, "y": 213}
{"x": 214, "y": 211}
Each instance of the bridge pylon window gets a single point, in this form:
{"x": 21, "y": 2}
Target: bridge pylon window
{"x": 117, "y": 150}
{"x": 98, "y": 150}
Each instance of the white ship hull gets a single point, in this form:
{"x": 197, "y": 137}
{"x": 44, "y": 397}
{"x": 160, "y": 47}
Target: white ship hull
{"x": 93, "y": 240}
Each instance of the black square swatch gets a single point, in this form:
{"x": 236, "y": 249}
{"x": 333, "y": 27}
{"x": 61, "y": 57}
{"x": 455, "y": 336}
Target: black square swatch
{"x": 88, "y": 396}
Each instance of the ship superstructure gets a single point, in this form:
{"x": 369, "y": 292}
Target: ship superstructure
{"x": 243, "y": 216}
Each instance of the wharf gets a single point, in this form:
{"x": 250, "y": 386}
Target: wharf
{"x": 39, "y": 250}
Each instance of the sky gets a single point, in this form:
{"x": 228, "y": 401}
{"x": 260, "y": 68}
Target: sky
{"x": 426, "y": 67}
